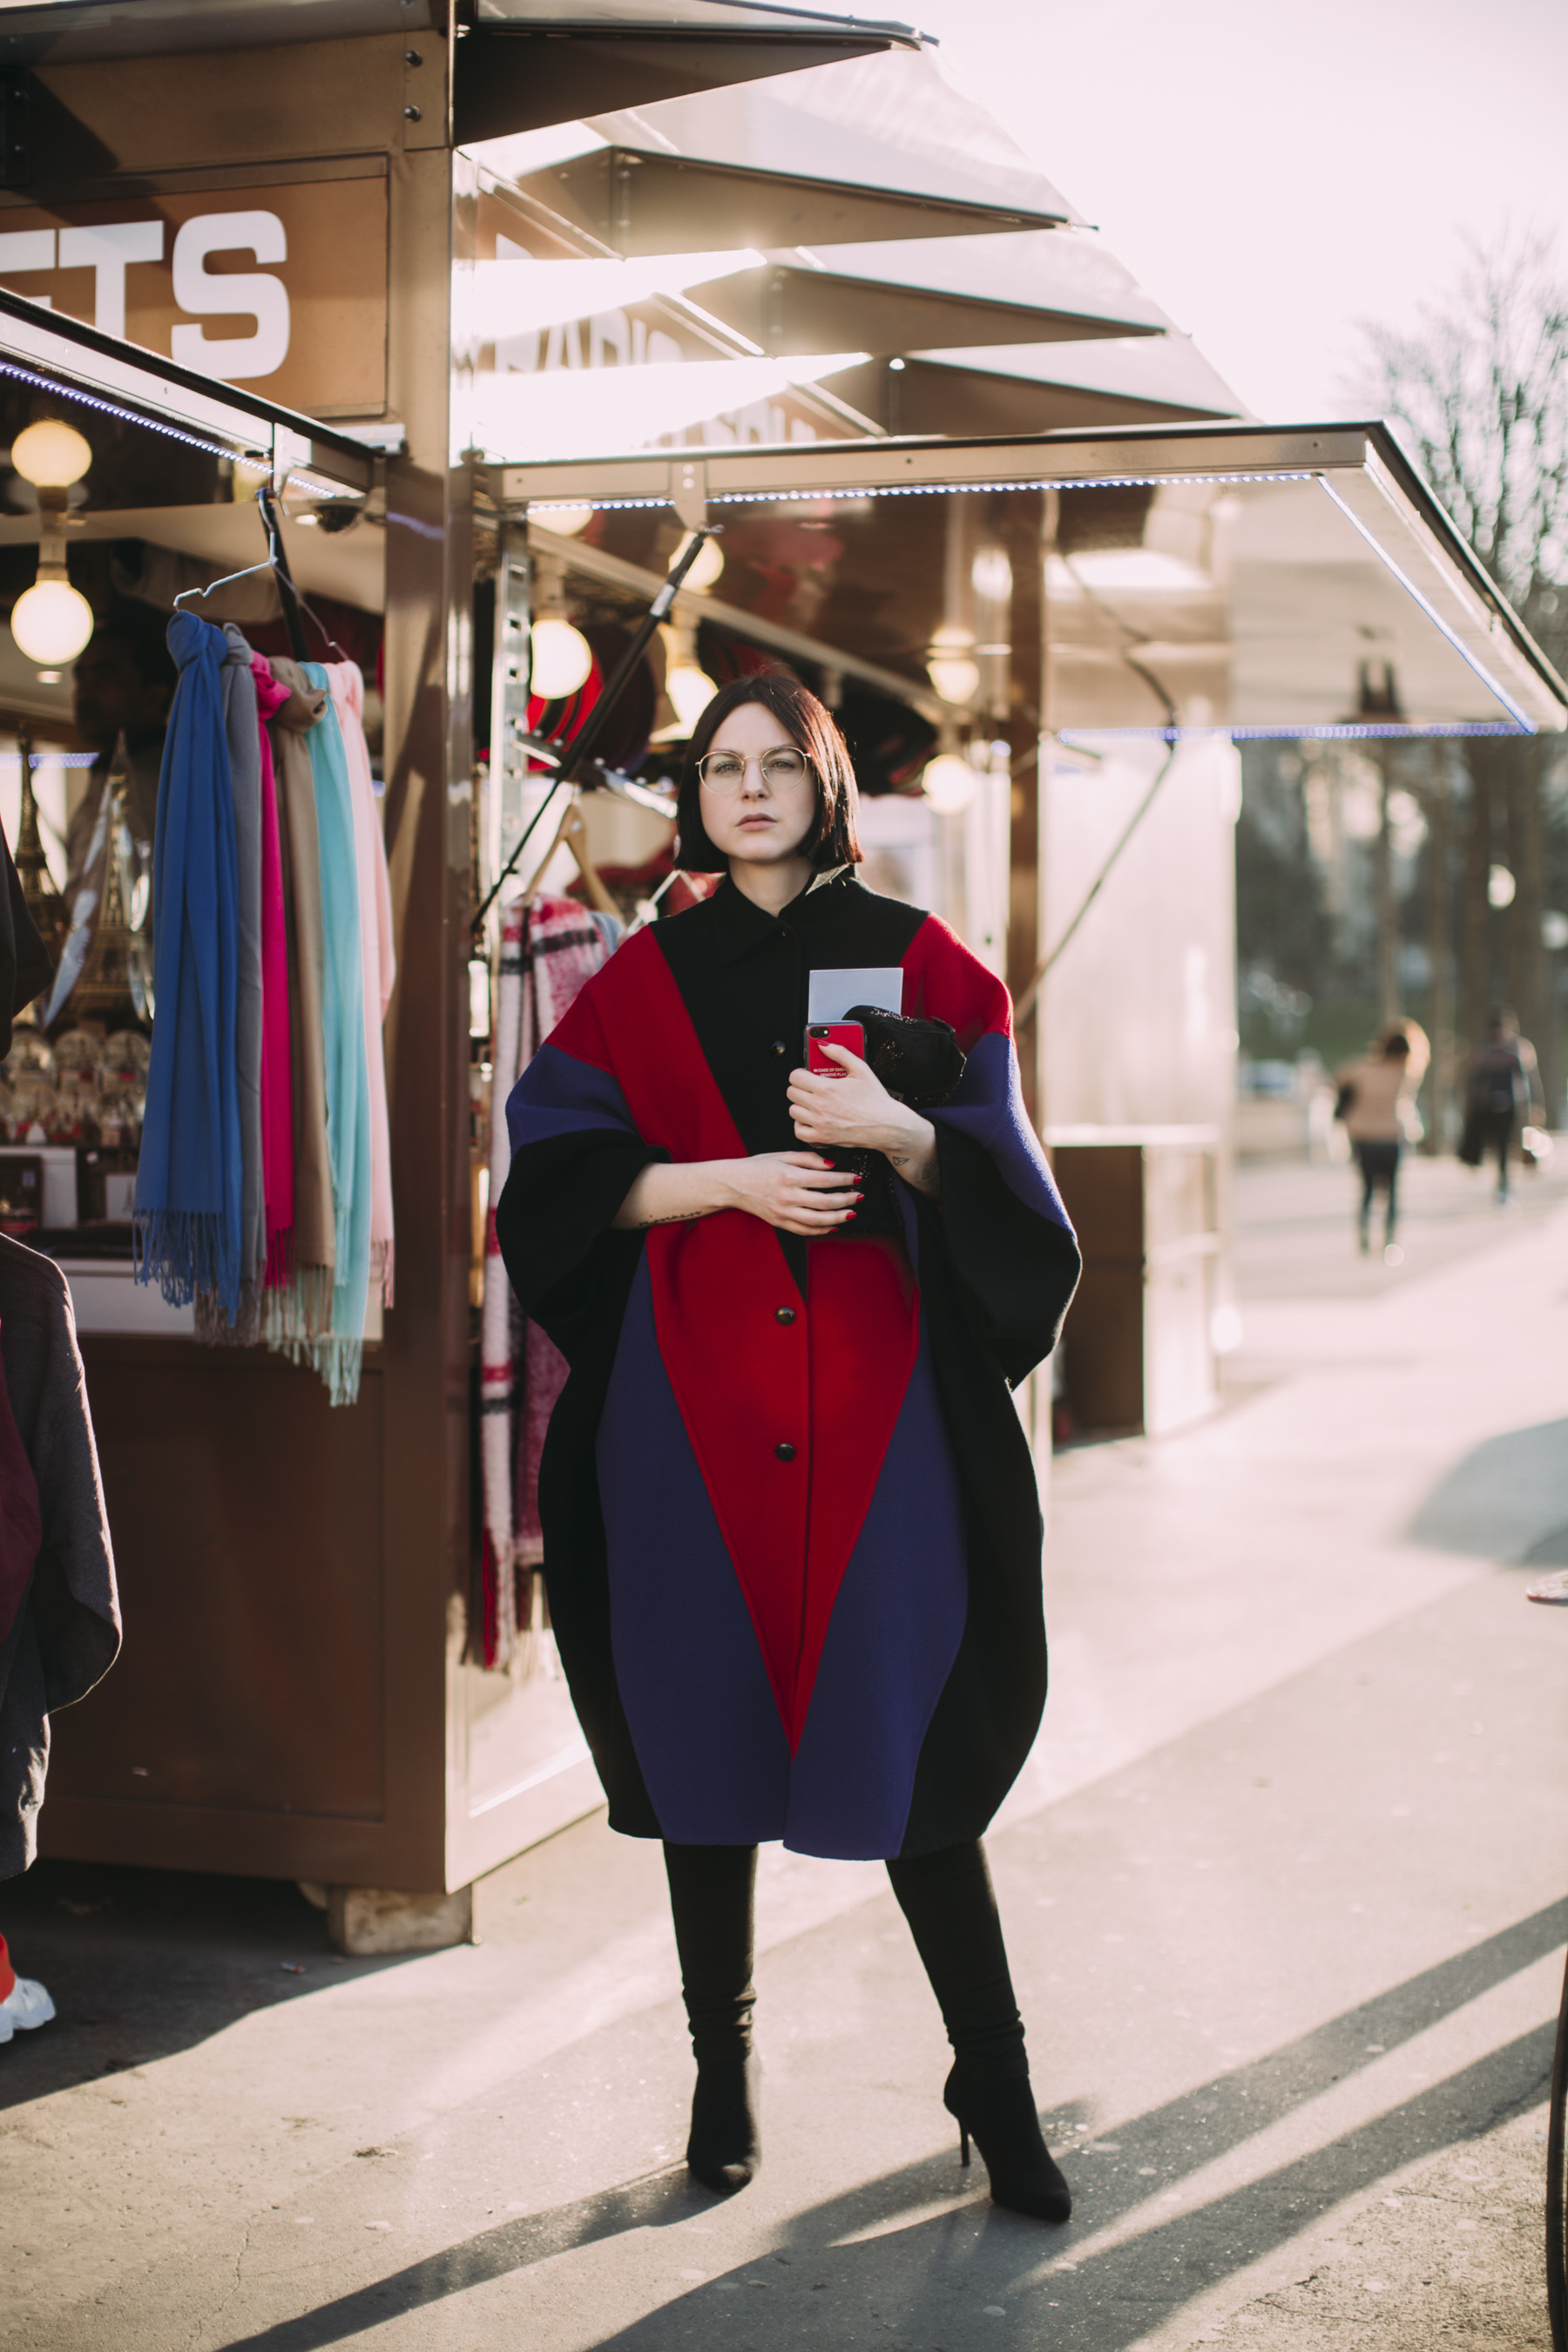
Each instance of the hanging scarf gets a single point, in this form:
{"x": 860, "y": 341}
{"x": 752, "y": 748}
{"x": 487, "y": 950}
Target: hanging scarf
{"x": 377, "y": 954}
{"x": 245, "y": 769}
{"x": 303, "y": 1309}
{"x": 499, "y": 1386}
{"x": 277, "y": 1073}
{"x": 546, "y": 956}
{"x": 189, "y": 1185}
{"x": 337, "y": 1356}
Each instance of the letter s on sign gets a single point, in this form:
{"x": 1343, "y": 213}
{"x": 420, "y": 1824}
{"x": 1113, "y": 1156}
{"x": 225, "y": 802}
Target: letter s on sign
{"x": 250, "y": 293}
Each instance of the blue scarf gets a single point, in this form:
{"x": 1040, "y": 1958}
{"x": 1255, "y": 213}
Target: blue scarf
{"x": 348, "y": 1078}
{"x": 187, "y": 1221}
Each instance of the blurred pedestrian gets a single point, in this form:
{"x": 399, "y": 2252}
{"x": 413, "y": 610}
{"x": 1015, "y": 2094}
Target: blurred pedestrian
{"x": 1502, "y": 1083}
{"x": 1377, "y": 1103}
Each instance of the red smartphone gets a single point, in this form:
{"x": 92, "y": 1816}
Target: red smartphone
{"x": 849, "y": 1035}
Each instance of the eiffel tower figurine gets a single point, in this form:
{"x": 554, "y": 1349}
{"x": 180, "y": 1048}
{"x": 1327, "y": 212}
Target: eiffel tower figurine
{"x": 44, "y": 902}
{"x": 104, "y": 996}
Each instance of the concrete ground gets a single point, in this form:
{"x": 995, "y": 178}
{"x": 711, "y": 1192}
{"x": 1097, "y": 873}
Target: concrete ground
{"x": 1285, "y": 1884}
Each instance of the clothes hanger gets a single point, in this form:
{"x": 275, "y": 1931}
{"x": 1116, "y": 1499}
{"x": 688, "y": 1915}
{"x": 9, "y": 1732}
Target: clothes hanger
{"x": 574, "y": 832}
{"x": 221, "y": 584}
{"x": 293, "y": 603}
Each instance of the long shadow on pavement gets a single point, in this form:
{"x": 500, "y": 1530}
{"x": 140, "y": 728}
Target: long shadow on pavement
{"x": 144, "y": 1963}
{"x": 1168, "y": 2260}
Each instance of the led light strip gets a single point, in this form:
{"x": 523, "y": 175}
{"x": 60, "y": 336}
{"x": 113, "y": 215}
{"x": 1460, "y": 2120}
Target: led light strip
{"x": 1085, "y": 737}
{"x": 52, "y": 759}
{"x": 917, "y": 489}
{"x": 952, "y": 489}
{"x": 259, "y": 465}
{"x": 1526, "y": 726}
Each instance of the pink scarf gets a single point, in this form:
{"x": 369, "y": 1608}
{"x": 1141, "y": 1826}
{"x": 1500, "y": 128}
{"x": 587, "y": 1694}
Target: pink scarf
{"x": 379, "y": 957}
{"x": 276, "y": 1066}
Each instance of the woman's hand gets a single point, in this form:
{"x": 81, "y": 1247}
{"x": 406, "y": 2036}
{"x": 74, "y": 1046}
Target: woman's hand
{"x": 856, "y": 1112}
{"x": 794, "y": 1190}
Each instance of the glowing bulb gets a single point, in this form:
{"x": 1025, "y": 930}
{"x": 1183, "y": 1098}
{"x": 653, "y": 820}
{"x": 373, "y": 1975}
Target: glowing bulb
{"x": 51, "y": 622}
{"x": 1500, "y": 887}
{"x": 563, "y": 659}
{"x": 51, "y": 455}
{"x": 954, "y": 676}
{"x": 690, "y": 690}
{"x": 708, "y": 566}
{"x": 949, "y": 783}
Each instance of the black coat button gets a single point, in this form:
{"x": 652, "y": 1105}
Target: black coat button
{"x": 779, "y": 1045}
{"x": 784, "y": 1314}
{"x": 785, "y": 1452}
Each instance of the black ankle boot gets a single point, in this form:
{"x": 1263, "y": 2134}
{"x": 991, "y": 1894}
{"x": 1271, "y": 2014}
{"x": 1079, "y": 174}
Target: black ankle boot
{"x": 1001, "y": 2119}
{"x": 725, "y": 2147}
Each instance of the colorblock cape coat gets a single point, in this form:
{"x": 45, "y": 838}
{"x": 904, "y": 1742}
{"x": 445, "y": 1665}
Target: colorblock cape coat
{"x": 792, "y": 1533}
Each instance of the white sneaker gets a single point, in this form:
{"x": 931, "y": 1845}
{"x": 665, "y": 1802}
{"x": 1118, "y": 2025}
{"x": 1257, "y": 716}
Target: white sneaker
{"x": 25, "y": 2006}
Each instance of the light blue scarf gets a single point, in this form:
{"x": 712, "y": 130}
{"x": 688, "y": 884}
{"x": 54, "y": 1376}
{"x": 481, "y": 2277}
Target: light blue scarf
{"x": 348, "y": 1080}
{"x": 187, "y": 1221}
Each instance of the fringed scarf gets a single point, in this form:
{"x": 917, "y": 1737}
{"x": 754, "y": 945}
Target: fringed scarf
{"x": 337, "y": 1355}
{"x": 276, "y": 1041}
{"x": 546, "y": 957}
{"x": 378, "y": 955}
{"x": 186, "y": 1222}
{"x": 302, "y": 1309}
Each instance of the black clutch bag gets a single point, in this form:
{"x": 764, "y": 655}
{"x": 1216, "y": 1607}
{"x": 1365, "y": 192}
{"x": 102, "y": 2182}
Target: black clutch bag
{"x": 920, "y": 1064}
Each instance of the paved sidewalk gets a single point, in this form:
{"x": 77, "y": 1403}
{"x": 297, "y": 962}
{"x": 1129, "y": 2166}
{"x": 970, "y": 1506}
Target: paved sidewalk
{"x": 1284, "y": 1884}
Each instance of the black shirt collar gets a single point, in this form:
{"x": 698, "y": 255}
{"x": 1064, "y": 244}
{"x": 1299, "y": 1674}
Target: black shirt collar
{"x": 740, "y": 924}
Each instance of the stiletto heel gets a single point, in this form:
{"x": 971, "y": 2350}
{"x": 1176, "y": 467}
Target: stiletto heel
{"x": 1002, "y": 2118}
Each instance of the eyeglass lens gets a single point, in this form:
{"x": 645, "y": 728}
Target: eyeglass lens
{"x": 724, "y": 772}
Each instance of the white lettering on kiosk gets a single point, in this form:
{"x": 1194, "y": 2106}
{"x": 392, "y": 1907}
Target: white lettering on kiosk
{"x": 108, "y": 252}
{"x": 247, "y": 293}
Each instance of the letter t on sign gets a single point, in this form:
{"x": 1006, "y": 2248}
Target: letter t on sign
{"x": 109, "y": 251}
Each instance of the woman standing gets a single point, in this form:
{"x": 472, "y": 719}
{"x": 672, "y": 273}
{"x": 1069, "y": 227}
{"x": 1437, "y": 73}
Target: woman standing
{"x": 1377, "y": 1102}
{"x": 791, "y": 1525}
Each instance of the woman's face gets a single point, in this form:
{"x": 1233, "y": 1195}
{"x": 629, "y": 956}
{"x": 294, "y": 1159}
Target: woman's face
{"x": 759, "y": 816}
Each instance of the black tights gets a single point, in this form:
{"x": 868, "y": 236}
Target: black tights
{"x": 948, "y": 1900}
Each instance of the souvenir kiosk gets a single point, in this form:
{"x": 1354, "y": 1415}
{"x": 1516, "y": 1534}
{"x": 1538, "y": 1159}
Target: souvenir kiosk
{"x": 1069, "y": 627}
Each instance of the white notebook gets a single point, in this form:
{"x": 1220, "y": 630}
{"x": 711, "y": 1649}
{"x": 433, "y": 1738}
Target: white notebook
{"x": 832, "y": 994}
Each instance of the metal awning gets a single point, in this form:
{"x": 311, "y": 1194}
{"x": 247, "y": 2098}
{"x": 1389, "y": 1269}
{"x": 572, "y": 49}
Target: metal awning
{"x": 786, "y": 308}
{"x": 177, "y": 460}
{"x": 1012, "y": 389}
{"x": 870, "y": 148}
{"x": 1198, "y": 578}
{"x": 517, "y": 62}
{"x": 528, "y": 63}
{"x": 97, "y": 376}
{"x": 921, "y": 293}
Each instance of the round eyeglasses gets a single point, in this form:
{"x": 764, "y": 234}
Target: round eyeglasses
{"x": 725, "y": 771}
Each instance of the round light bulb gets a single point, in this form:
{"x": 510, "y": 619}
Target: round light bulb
{"x": 708, "y": 566}
{"x": 562, "y": 659}
{"x": 51, "y": 455}
{"x": 51, "y": 622}
{"x": 690, "y": 690}
{"x": 948, "y": 784}
{"x": 954, "y": 676}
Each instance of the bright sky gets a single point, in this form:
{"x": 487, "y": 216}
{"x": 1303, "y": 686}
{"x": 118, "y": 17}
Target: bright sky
{"x": 1273, "y": 173}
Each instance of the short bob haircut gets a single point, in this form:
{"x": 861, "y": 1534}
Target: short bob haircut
{"x": 832, "y": 840}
